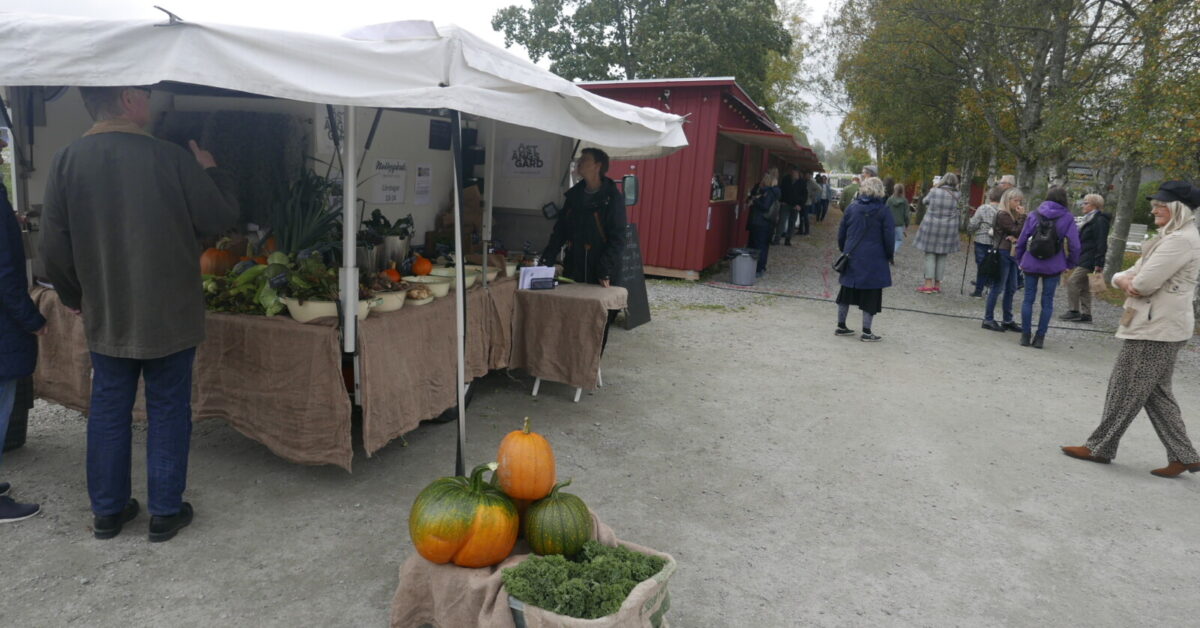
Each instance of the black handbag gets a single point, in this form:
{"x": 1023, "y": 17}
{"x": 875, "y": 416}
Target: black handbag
{"x": 989, "y": 268}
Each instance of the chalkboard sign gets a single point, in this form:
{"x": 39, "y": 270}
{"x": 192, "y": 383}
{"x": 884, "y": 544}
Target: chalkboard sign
{"x": 631, "y": 276}
{"x": 439, "y": 135}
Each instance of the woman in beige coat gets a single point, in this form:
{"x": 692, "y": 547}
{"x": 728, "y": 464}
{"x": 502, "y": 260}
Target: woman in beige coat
{"x": 1157, "y": 323}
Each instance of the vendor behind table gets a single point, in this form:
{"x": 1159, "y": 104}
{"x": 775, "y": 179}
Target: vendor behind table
{"x": 591, "y": 224}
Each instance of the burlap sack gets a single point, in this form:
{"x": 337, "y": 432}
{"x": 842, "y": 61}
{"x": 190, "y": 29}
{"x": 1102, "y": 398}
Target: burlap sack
{"x": 446, "y": 596}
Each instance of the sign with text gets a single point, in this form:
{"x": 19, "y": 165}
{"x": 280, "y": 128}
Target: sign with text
{"x": 530, "y": 158}
{"x": 387, "y": 186}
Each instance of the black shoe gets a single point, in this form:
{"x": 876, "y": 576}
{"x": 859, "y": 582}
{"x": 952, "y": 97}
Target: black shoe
{"x": 869, "y": 337}
{"x": 976, "y": 295}
{"x": 4, "y": 486}
{"x": 1071, "y": 315}
{"x": 787, "y": 242}
{"x": 1084, "y": 318}
{"x": 165, "y": 528}
{"x": 12, "y": 511}
{"x": 993, "y": 325}
{"x": 843, "y": 331}
{"x": 1024, "y": 340}
{"x": 1011, "y": 326}
{"x": 1037, "y": 341}
{"x": 108, "y": 526}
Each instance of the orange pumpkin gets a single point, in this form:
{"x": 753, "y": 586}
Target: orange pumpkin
{"x": 392, "y": 274}
{"x": 422, "y": 266}
{"x": 269, "y": 246}
{"x": 218, "y": 259}
{"x": 526, "y": 468}
{"x": 465, "y": 521}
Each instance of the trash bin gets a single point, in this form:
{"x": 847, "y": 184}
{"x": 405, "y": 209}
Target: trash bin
{"x": 19, "y": 421}
{"x": 743, "y": 264}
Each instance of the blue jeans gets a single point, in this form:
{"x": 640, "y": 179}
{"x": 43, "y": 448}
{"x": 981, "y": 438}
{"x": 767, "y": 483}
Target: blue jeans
{"x": 1007, "y": 284}
{"x": 109, "y": 430}
{"x": 899, "y": 239}
{"x": 8, "y": 395}
{"x": 980, "y": 252}
{"x": 1049, "y": 285}
{"x": 760, "y": 239}
{"x": 803, "y": 211}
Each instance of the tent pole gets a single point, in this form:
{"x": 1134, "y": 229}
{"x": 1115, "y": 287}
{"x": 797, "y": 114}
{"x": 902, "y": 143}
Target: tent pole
{"x": 489, "y": 187}
{"x": 459, "y": 293}
{"x": 349, "y": 271}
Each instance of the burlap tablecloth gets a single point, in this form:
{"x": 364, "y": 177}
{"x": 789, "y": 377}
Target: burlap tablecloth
{"x": 448, "y": 596}
{"x": 558, "y": 334}
{"x": 276, "y": 381}
{"x": 408, "y": 362}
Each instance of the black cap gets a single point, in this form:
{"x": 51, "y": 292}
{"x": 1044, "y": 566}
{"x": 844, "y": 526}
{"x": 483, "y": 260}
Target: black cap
{"x": 1181, "y": 191}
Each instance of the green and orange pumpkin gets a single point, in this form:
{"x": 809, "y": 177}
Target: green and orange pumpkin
{"x": 558, "y": 524}
{"x": 463, "y": 520}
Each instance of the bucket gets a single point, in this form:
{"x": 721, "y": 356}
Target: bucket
{"x": 743, "y": 269}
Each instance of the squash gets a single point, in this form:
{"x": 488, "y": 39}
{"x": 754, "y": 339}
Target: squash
{"x": 464, "y": 521}
{"x": 421, "y": 266}
{"x": 269, "y": 246}
{"x": 218, "y": 259}
{"x": 392, "y": 274}
{"x": 558, "y": 524}
{"x": 526, "y": 464}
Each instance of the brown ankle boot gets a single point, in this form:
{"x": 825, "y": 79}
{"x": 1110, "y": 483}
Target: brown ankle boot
{"x": 1175, "y": 468}
{"x": 1083, "y": 453}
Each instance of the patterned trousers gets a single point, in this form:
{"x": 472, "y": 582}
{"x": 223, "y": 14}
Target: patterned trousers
{"x": 1141, "y": 378}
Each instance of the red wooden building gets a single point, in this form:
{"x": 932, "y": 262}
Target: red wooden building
{"x": 683, "y": 228}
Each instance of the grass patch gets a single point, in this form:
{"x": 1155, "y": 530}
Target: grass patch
{"x": 704, "y": 306}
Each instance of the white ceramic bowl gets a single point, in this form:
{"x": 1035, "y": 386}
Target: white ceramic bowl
{"x": 311, "y": 310}
{"x": 390, "y": 301}
{"x": 421, "y": 301}
{"x": 440, "y": 286}
{"x": 449, "y": 273}
{"x": 492, "y": 272}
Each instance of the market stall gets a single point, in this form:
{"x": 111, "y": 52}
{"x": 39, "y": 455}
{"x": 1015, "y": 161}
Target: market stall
{"x": 407, "y": 69}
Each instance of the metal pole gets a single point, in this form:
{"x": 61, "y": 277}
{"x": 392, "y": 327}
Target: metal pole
{"x": 489, "y": 187}
{"x": 348, "y": 280}
{"x": 459, "y": 294}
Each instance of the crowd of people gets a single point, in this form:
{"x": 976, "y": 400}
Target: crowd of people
{"x": 1040, "y": 247}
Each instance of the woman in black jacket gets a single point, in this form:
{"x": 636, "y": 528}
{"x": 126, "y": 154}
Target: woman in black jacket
{"x": 591, "y": 224}
{"x": 1093, "y": 246}
{"x": 20, "y": 324}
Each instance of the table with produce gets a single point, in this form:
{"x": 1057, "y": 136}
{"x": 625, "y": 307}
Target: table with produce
{"x": 516, "y": 549}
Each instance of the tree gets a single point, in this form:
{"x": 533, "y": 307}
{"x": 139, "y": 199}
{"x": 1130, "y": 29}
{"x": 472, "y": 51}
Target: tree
{"x": 785, "y": 80}
{"x": 632, "y": 39}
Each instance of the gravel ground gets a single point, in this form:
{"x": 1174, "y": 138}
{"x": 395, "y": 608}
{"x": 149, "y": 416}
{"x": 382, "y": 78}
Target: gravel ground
{"x": 800, "y": 479}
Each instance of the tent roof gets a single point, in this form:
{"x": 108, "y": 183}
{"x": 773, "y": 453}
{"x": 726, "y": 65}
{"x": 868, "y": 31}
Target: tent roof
{"x": 377, "y": 66}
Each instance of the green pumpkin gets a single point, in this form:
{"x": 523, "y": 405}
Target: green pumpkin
{"x": 559, "y": 523}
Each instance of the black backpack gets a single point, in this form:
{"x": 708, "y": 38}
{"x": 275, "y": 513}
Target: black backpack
{"x": 1044, "y": 243}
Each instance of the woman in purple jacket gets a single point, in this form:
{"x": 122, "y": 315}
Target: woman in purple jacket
{"x": 1045, "y": 269}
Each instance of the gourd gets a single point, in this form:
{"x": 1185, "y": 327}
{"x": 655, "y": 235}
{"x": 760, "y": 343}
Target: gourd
{"x": 392, "y": 274}
{"x": 560, "y": 523}
{"x": 422, "y": 266}
{"x": 526, "y": 461}
{"x": 464, "y": 521}
{"x": 218, "y": 259}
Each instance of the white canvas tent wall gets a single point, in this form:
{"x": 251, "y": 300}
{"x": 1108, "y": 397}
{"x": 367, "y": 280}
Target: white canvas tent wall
{"x": 442, "y": 69}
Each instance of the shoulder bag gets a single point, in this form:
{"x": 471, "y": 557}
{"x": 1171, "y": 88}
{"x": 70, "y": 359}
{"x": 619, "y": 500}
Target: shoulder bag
{"x": 843, "y": 261}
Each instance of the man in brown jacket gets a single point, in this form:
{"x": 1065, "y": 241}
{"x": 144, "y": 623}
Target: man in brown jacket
{"x": 120, "y": 223}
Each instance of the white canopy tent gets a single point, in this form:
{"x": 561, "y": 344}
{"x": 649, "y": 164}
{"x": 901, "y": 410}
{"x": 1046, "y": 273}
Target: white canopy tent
{"x": 404, "y": 65}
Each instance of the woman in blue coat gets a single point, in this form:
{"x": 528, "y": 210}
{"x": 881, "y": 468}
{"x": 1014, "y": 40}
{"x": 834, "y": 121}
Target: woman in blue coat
{"x": 20, "y": 323}
{"x": 867, "y": 234}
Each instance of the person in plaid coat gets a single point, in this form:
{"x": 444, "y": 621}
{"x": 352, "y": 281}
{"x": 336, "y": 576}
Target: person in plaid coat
{"x": 938, "y": 233}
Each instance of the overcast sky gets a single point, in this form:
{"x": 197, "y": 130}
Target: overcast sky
{"x": 337, "y": 16}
